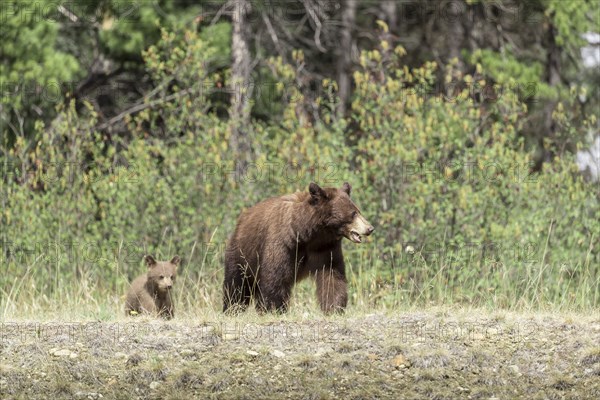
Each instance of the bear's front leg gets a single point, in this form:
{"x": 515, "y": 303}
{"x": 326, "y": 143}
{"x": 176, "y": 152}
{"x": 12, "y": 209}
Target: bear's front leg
{"x": 332, "y": 290}
{"x": 167, "y": 310}
{"x": 148, "y": 304}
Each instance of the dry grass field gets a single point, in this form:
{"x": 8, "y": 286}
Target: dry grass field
{"x": 434, "y": 353}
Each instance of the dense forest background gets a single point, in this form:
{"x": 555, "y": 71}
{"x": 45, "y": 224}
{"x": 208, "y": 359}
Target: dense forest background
{"x": 467, "y": 128}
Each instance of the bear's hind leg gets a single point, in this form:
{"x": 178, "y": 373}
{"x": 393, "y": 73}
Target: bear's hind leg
{"x": 275, "y": 282}
{"x": 236, "y": 289}
{"x": 274, "y": 300}
{"x": 273, "y": 292}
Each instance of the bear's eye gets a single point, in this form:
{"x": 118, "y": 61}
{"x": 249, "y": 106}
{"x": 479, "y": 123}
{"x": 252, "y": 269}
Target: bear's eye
{"x": 354, "y": 213}
{"x": 162, "y": 277}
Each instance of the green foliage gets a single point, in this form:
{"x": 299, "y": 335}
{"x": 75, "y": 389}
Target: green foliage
{"x": 49, "y": 47}
{"x": 572, "y": 18}
{"x": 450, "y": 176}
{"x": 524, "y": 78}
{"x": 218, "y": 36}
{"x": 129, "y": 28}
{"x": 33, "y": 70}
{"x": 459, "y": 214}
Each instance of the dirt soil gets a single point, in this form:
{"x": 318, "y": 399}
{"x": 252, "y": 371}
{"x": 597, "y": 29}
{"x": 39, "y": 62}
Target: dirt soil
{"x": 407, "y": 355}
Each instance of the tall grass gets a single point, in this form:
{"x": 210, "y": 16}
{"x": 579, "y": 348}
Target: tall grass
{"x": 377, "y": 282}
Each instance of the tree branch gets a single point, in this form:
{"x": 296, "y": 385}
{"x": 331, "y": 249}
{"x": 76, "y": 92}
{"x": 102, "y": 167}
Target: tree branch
{"x": 143, "y": 106}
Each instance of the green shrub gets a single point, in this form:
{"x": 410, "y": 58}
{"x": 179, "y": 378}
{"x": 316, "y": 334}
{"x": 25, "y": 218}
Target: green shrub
{"x": 460, "y": 215}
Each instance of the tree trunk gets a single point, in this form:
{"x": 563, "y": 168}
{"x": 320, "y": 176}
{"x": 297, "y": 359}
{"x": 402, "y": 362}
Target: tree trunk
{"x": 344, "y": 63}
{"x": 553, "y": 58}
{"x": 388, "y": 14}
{"x": 455, "y": 35}
{"x": 240, "y": 78}
{"x": 553, "y": 79}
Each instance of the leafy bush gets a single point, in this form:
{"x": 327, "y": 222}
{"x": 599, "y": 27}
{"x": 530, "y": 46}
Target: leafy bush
{"x": 445, "y": 178}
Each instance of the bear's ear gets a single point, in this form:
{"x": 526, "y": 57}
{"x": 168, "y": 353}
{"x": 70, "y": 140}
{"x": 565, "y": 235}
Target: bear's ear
{"x": 176, "y": 260}
{"x": 316, "y": 192}
{"x": 347, "y": 188}
{"x": 150, "y": 261}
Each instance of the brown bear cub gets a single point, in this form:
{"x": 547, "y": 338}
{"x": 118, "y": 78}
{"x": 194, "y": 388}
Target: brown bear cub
{"x": 151, "y": 292}
{"x": 282, "y": 240}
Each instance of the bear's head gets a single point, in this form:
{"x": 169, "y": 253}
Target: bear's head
{"x": 162, "y": 273}
{"x": 338, "y": 212}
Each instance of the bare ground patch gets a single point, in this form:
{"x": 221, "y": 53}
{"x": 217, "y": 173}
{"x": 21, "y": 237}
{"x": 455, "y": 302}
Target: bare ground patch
{"x": 432, "y": 354}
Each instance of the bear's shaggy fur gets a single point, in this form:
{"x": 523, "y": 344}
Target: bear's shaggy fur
{"x": 284, "y": 239}
{"x": 151, "y": 293}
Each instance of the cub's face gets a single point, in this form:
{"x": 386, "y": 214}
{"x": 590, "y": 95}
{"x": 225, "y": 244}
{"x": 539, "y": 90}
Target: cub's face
{"x": 339, "y": 211}
{"x": 162, "y": 273}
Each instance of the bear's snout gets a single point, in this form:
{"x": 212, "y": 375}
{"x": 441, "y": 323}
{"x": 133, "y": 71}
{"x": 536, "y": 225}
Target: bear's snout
{"x": 359, "y": 227}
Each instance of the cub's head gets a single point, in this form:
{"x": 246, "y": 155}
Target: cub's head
{"x": 162, "y": 273}
{"x": 339, "y": 213}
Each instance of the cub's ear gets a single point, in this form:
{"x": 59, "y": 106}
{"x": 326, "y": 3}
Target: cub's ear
{"x": 316, "y": 192}
{"x": 176, "y": 260}
{"x": 150, "y": 261}
{"x": 347, "y": 188}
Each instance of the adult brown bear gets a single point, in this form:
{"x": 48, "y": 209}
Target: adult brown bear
{"x": 284, "y": 239}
